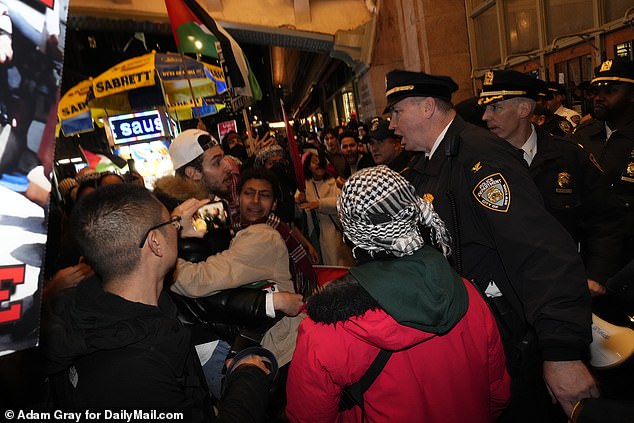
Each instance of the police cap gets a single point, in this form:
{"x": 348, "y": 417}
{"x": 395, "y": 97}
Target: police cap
{"x": 614, "y": 71}
{"x": 383, "y": 132}
{"x": 501, "y": 85}
{"x": 556, "y": 88}
{"x": 400, "y": 84}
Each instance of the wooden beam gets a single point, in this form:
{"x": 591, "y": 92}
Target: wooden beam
{"x": 214, "y": 5}
{"x": 302, "y": 11}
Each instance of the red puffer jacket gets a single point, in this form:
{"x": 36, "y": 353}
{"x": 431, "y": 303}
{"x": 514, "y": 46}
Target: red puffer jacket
{"x": 456, "y": 377}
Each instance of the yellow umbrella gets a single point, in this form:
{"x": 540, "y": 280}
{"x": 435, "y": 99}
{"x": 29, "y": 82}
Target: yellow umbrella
{"x": 154, "y": 79}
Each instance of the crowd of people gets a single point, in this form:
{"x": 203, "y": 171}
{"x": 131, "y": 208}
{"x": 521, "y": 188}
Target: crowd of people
{"x": 472, "y": 262}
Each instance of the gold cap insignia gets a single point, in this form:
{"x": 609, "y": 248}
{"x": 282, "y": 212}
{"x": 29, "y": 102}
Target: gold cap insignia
{"x": 488, "y": 78}
{"x": 606, "y": 66}
{"x": 429, "y": 198}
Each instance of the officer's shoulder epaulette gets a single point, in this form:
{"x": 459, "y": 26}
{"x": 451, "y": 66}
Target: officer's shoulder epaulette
{"x": 587, "y": 124}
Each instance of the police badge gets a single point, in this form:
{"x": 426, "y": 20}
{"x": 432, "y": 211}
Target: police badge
{"x": 564, "y": 182}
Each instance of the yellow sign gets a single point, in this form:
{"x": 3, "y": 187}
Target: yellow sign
{"x": 128, "y": 75}
{"x": 74, "y": 101}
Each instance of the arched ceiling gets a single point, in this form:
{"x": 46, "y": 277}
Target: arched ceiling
{"x": 340, "y": 28}
{"x": 303, "y": 34}
{"x": 314, "y": 16}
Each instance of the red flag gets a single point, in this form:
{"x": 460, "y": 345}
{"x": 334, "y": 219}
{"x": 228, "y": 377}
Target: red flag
{"x": 292, "y": 146}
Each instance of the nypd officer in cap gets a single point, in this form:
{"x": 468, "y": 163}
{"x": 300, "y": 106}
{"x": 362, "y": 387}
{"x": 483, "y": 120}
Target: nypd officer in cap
{"x": 504, "y": 240}
{"x": 574, "y": 188}
{"x": 609, "y": 136}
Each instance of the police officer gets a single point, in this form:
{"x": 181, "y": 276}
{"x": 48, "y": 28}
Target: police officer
{"x": 386, "y": 148}
{"x": 504, "y": 240}
{"x": 573, "y": 186}
{"x": 609, "y": 136}
{"x": 555, "y": 103}
{"x": 550, "y": 122}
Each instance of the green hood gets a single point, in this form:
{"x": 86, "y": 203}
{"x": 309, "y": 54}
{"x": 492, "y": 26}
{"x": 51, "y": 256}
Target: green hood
{"x": 420, "y": 291}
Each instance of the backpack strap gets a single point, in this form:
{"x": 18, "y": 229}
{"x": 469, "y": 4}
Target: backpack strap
{"x": 353, "y": 394}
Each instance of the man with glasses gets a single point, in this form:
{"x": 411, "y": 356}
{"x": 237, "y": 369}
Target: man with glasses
{"x": 114, "y": 342}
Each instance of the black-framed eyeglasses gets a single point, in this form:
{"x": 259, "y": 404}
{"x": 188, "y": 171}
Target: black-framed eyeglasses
{"x": 174, "y": 220}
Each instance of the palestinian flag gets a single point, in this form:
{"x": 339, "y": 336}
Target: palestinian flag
{"x": 196, "y": 32}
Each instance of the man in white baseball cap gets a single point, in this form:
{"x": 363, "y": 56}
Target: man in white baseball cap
{"x": 198, "y": 156}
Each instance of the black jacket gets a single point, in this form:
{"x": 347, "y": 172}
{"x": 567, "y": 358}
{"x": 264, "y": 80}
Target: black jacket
{"x": 506, "y": 235}
{"x": 578, "y": 194}
{"x": 616, "y": 158}
{"x": 104, "y": 352}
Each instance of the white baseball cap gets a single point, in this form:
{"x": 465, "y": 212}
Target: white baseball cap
{"x": 190, "y": 144}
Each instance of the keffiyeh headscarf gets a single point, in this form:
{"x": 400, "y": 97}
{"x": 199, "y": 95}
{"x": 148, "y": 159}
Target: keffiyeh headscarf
{"x": 266, "y": 153}
{"x": 380, "y": 213}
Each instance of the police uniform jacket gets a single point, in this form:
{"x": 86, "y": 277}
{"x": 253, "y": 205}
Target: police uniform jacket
{"x": 615, "y": 158}
{"x": 557, "y": 125}
{"x": 506, "y": 235}
{"x": 577, "y": 193}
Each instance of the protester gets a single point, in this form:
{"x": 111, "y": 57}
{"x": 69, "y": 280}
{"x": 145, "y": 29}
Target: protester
{"x": 114, "y": 341}
{"x": 355, "y": 158}
{"x": 319, "y": 204}
{"x": 447, "y": 361}
{"x": 274, "y": 159}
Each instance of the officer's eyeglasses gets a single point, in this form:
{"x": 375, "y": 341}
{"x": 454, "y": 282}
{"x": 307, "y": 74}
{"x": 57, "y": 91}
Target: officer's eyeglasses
{"x": 174, "y": 221}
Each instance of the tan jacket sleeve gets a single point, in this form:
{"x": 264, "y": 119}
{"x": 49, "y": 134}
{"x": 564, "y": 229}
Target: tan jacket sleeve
{"x": 256, "y": 253}
{"x": 5, "y": 20}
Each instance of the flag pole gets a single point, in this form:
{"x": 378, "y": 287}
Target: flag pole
{"x": 294, "y": 149}
{"x": 191, "y": 88}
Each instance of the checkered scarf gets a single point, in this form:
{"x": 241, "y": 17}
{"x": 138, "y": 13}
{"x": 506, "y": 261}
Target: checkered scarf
{"x": 381, "y": 213}
{"x": 266, "y": 153}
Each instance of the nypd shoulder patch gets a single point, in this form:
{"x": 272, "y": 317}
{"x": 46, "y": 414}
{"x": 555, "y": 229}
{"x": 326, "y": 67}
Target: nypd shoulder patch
{"x": 565, "y": 126}
{"x": 493, "y": 193}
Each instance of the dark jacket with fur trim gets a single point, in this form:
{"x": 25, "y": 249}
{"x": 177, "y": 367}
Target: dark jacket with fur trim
{"x": 454, "y": 377}
{"x": 173, "y": 190}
